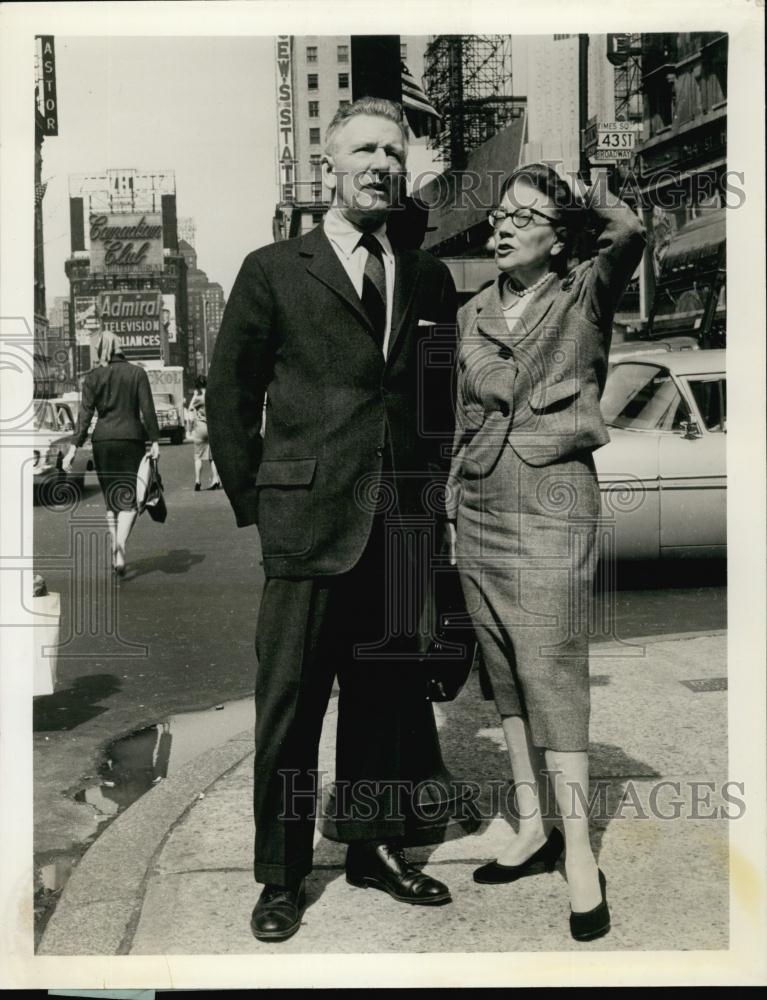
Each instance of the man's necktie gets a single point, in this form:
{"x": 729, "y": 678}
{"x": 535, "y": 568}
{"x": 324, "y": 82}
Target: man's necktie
{"x": 374, "y": 286}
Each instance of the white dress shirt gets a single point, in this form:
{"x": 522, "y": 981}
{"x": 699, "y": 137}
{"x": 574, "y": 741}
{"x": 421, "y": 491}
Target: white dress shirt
{"x": 343, "y": 238}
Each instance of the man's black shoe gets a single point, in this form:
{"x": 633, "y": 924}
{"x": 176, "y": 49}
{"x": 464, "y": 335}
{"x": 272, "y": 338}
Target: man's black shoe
{"x": 277, "y": 914}
{"x": 381, "y": 866}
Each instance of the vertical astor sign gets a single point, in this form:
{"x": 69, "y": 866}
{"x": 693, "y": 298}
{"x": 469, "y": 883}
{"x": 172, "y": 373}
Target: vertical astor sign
{"x": 50, "y": 104}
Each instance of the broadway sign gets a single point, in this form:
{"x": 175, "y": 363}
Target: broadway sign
{"x": 135, "y": 318}
{"x": 126, "y": 242}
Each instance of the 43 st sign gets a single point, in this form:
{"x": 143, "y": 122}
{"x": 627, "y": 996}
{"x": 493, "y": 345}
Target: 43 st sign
{"x": 126, "y": 242}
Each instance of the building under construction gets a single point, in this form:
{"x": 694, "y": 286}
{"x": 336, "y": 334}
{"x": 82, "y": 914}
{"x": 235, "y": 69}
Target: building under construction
{"x": 469, "y": 81}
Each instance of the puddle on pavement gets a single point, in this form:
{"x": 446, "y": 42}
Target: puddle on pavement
{"x": 132, "y": 766}
{"x": 137, "y": 763}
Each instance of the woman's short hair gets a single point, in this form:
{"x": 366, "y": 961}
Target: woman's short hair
{"x": 571, "y": 211}
{"x": 201, "y": 382}
{"x": 109, "y": 344}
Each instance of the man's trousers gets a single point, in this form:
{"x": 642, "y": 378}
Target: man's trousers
{"x": 361, "y": 627}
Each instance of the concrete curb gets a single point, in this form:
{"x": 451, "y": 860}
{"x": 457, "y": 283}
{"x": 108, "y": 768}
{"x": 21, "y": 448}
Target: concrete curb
{"x": 104, "y": 895}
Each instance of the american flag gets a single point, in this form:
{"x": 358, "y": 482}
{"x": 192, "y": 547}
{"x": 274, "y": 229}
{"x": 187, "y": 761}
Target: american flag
{"x": 39, "y": 192}
{"x": 420, "y": 114}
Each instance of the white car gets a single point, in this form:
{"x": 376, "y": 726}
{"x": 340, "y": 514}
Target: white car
{"x": 663, "y": 475}
{"x": 53, "y": 429}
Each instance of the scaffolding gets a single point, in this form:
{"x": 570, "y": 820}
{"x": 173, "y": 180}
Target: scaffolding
{"x": 468, "y": 80}
{"x": 628, "y": 85}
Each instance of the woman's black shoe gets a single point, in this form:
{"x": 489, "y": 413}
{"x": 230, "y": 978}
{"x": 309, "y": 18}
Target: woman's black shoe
{"x": 197, "y": 487}
{"x": 494, "y": 873}
{"x": 594, "y": 923}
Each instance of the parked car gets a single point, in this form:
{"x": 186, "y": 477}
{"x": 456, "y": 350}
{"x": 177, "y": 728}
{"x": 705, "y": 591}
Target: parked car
{"x": 663, "y": 475}
{"x": 628, "y": 348}
{"x": 53, "y": 428}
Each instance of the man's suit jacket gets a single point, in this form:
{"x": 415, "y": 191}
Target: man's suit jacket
{"x": 121, "y": 395}
{"x": 538, "y": 388}
{"x": 337, "y": 413}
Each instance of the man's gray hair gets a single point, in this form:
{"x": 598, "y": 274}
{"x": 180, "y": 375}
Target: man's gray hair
{"x": 379, "y": 107}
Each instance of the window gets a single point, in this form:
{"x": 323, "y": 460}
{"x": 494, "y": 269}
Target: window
{"x": 343, "y": 53}
{"x": 314, "y": 160}
{"x": 403, "y": 52}
{"x": 317, "y": 192}
{"x": 314, "y": 109}
{"x": 312, "y": 81}
{"x": 311, "y": 53}
{"x": 642, "y": 397}
{"x": 711, "y": 399}
{"x": 287, "y": 192}
{"x": 317, "y": 216}
{"x": 344, "y": 104}
{"x": 343, "y": 81}
{"x": 314, "y": 136}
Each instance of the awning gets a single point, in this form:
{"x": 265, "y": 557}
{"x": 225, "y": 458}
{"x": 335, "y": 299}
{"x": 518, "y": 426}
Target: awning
{"x": 697, "y": 240}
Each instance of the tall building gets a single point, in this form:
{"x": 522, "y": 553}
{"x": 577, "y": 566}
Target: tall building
{"x": 682, "y": 180}
{"x": 315, "y": 75}
{"x": 126, "y": 272}
{"x": 60, "y": 345}
{"x": 206, "y": 309}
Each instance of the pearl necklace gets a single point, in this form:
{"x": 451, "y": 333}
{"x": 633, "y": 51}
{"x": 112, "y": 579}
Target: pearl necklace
{"x": 529, "y": 290}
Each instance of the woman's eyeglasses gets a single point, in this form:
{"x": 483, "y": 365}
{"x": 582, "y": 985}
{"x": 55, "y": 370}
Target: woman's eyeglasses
{"x": 521, "y": 217}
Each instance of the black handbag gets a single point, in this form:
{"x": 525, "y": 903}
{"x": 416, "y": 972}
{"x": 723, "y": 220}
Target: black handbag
{"x": 152, "y": 499}
{"x": 449, "y": 658}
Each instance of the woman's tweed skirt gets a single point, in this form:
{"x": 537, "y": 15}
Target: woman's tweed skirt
{"x": 526, "y": 553}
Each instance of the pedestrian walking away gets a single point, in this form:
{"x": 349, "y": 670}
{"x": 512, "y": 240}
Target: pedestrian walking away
{"x": 524, "y": 496}
{"x": 333, "y": 327}
{"x": 120, "y": 394}
{"x": 199, "y": 435}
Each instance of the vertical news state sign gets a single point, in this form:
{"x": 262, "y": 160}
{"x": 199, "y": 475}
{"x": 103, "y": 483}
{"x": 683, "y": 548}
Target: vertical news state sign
{"x": 285, "y": 126}
{"x": 135, "y": 318}
{"x": 48, "y": 97}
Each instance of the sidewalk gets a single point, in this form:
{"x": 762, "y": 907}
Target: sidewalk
{"x": 173, "y": 875}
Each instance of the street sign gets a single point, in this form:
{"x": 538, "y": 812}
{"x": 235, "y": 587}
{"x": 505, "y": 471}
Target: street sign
{"x": 611, "y": 141}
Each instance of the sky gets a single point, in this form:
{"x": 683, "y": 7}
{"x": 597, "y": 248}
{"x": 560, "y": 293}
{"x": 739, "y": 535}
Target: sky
{"x": 204, "y": 107}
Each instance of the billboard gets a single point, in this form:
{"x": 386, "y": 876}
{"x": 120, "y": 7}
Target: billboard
{"x": 86, "y": 319}
{"x": 135, "y": 318}
{"x": 126, "y": 242}
{"x": 169, "y": 317}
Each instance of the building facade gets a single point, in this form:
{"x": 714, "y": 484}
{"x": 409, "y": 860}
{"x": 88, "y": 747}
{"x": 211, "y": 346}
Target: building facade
{"x": 681, "y": 175}
{"x": 126, "y": 271}
{"x": 206, "y": 304}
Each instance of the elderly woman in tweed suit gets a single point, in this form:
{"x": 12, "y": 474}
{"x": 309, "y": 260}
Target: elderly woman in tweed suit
{"x": 525, "y": 502}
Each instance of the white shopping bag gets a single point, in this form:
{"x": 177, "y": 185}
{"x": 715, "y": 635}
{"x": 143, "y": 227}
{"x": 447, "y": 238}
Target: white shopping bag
{"x": 47, "y": 615}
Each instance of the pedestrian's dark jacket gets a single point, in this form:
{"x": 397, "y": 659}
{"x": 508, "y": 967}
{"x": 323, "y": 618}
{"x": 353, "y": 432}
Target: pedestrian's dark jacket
{"x": 337, "y": 412}
{"x": 121, "y": 395}
{"x": 538, "y": 388}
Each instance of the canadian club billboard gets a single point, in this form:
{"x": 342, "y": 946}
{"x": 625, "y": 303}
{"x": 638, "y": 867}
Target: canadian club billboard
{"x": 126, "y": 242}
{"x": 135, "y": 318}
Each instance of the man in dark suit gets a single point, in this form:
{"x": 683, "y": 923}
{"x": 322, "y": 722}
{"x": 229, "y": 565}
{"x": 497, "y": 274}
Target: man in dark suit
{"x": 351, "y": 340}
